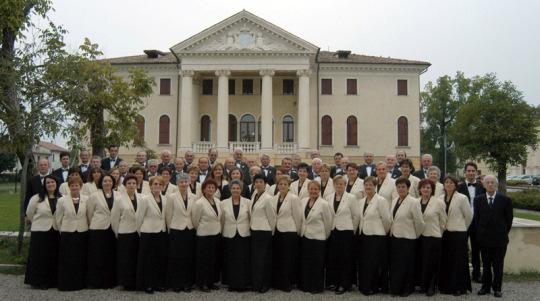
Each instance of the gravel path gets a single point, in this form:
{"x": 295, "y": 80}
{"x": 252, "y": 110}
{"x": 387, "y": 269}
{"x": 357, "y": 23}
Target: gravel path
{"x": 12, "y": 288}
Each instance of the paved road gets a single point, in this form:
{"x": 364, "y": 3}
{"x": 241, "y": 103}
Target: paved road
{"x": 12, "y": 289}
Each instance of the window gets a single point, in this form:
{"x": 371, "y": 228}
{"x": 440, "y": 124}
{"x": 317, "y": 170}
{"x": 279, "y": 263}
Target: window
{"x": 232, "y": 87}
{"x": 247, "y": 87}
{"x": 207, "y": 86}
{"x": 164, "y": 129}
{"x": 165, "y": 86}
{"x": 351, "y": 86}
{"x": 139, "y": 122}
{"x": 352, "y": 130}
{"x": 326, "y": 86}
{"x": 326, "y": 130}
{"x": 288, "y": 129}
{"x": 247, "y": 128}
{"x": 288, "y": 87}
{"x": 402, "y": 87}
{"x": 205, "y": 128}
{"x": 403, "y": 131}
{"x": 232, "y": 128}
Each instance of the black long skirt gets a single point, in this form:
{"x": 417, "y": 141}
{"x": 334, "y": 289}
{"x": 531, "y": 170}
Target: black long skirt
{"x": 373, "y": 249}
{"x": 402, "y": 265}
{"x": 42, "y": 264}
{"x": 152, "y": 260}
{"x": 207, "y": 249}
{"x": 101, "y": 259}
{"x": 430, "y": 260}
{"x": 127, "y": 248}
{"x": 237, "y": 268}
{"x": 312, "y": 257}
{"x": 284, "y": 257}
{"x": 181, "y": 262}
{"x": 339, "y": 259}
{"x": 72, "y": 261}
{"x": 454, "y": 276}
{"x": 261, "y": 259}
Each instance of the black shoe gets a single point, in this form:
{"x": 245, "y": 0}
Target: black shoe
{"x": 331, "y": 287}
{"x": 187, "y": 289}
{"x": 213, "y": 287}
{"x": 316, "y": 292}
{"x": 406, "y": 294}
{"x": 263, "y": 289}
{"x": 204, "y": 289}
{"x": 340, "y": 290}
{"x": 160, "y": 289}
{"x": 497, "y": 294}
{"x": 367, "y": 293}
{"x": 482, "y": 292}
{"x": 149, "y": 290}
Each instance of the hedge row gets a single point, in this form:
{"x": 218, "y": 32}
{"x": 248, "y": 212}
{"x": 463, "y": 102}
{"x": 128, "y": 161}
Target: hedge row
{"x": 526, "y": 199}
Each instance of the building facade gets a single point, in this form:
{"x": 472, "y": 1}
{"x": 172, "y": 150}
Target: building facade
{"x": 244, "y": 82}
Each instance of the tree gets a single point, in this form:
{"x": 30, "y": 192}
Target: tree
{"x": 440, "y": 103}
{"x": 7, "y": 161}
{"x": 496, "y": 125}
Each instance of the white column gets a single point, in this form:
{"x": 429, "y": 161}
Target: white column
{"x": 303, "y": 109}
{"x": 185, "y": 110}
{"x": 266, "y": 110}
{"x": 223, "y": 109}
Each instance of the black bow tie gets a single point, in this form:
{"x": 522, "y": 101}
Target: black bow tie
{"x": 471, "y": 184}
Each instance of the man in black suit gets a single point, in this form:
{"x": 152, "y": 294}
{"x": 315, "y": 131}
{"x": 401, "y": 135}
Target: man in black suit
{"x": 393, "y": 168}
{"x": 179, "y": 169}
{"x": 427, "y": 162}
{"x": 212, "y": 156}
{"x": 368, "y": 169}
{"x": 141, "y": 159}
{"x": 84, "y": 156}
{"x": 472, "y": 188}
{"x": 34, "y": 185}
{"x": 268, "y": 170}
{"x": 336, "y": 169}
{"x": 238, "y": 156}
{"x": 188, "y": 160}
{"x": 494, "y": 215}
{"x": 204, "y": 169}
{"x": 166, "y": 160}
{"x": 62, "y": 172}
{"x": 152, "y": 169}
{"x": 113, "y": 160}
{"x": 286, "y": 165}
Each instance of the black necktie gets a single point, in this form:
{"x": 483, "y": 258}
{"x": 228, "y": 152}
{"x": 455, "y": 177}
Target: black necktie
{"x": 471, "y": 184}
{"x": 491, "y": 201}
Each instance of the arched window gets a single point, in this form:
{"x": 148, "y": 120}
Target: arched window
{"x": 233, "y": 128}
{"x": 205, "y": 128}
{"x": 326, "y": 130}
{"x": 403, "y": 131}
{"x": 139, "y": 122}
{"x": 247, "y": 128}
{"x": 352, "y": 130}
{"x": 288, "y": 129}
{"x": 164, "y": 129}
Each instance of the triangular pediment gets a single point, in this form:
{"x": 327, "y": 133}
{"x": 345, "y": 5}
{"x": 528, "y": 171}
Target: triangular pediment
{"x": 244, "y": 33}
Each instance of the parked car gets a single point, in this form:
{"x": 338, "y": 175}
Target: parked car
{"x": 527, "y": 178}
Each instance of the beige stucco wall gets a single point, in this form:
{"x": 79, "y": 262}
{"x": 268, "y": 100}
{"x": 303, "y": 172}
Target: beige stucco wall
{"x": 523, "y": 249}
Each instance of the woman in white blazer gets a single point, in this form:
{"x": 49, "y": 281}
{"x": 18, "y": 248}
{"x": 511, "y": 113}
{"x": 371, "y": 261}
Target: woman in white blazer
{"x": 206, "y": 218}
{"x": 194, "y": 185}
{"x": 386, "y": 186}
{"x": 434, "y": 174}
{"x": 300, "y": 186}
{"x": 327, "y": 184}
{"x": 373, "y": 227}
{"x": 42, "y": 264}
{"x": 454, "y": 277}
{"x": 72, "y": 223}
{"x": 340, "y": 255}
{"x": 90, "y": 186}
{"x": 118, "y": 185}
{"x": 235, "y": 221}
{"x": 273, "y": 190}
{"x": 152, "y": 257}
{"x": 407, "y": 226}
{"x": 168, "y": 188}
{"x": 73, "y": 172}
{"x": 218, "y": 175}
{"x": 101, "y": 237}
{"x": 181, "y": 260}
{"x": 143, "y": 187}
{"x": 124, "y": 225}
{"x": 354, "y": 184}
{"x": 317, "y": 221}
{"x": 406, "y": 166}
{"x": 428, "y": 258}
{"x": 263, "y": 223}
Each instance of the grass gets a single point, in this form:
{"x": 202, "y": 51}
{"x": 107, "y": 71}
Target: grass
{"x": 9, "y": 210}
{"x": 526, "y": 215}
{"x": 8, "y": 251}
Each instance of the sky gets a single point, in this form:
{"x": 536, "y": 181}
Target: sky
{"x": 473, "y": 36}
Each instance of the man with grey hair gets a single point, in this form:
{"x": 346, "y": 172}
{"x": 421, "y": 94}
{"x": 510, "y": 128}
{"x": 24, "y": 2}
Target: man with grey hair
{"x": 393, "y": 168}
{"x": 34, "y": 185}
{"x": 268, "y": 170}
{"x": 95, "y": 162}
{"x": 188, "y": 159}
{"x": 152, "y": 168}
{"x": 238, "y": 155}
{"x": 166, "y": 160}
{"x": 313, "y": 172}
{"x": 426, "y": 162}
{"x": 315, "y": 153}
{"x": 204, "y": 169}
{"x": 141, "y": 158}
{"x": 212, "y": 156}
{"x": 368, "y": 168}
{"x": 494, "y": 216}
{"x": 178, "y": 170}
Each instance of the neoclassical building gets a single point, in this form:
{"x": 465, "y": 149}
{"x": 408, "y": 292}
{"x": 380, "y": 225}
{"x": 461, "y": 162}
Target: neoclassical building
{"x": 247, "y": 82}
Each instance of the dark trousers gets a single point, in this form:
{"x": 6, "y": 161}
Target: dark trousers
{"x": 493, "y": 258}
{"x": 261, "y": 259}
{"x": 339, "y": 258}
{"x": 475, "y": 252}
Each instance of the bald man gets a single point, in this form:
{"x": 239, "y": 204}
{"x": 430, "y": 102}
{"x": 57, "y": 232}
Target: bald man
{"x": 34, "y": 185}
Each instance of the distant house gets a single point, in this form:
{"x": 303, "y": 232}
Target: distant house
{"x": 50, "y": 151}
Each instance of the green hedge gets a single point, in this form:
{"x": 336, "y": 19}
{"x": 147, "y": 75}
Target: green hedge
{"x": 516, "y": 182}
{"x": 526, "y": 199}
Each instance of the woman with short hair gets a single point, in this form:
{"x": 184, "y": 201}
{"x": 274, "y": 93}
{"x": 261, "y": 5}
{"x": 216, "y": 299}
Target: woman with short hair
{"x": 194, "y": 185}
{"x": 434, "y": 174}
{"x": 407, "y": 168}
{"x": 73, "y": 172}
{"x": 168, "y": 188}
{"x": 300, "y": 186}
{"x": 143, "y": 187}
{"x": 327, "y": 184}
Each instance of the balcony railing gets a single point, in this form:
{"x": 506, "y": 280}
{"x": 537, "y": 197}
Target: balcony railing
{"x": 286, "y": 148}
{"x": 201, "y": 147}
{"x": 247, "y": 147}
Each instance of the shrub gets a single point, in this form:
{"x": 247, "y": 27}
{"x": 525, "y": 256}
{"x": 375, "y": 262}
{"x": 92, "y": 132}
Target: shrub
{"x": 516, "y": 182}
{"x": 526, "y": 199}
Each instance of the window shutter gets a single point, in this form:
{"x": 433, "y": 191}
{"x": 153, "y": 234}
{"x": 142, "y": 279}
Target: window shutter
{"x": 165, "y": 86}
{"x": 403, "y": 131}
{"x": 351, "y": 86}
{"x": 352, "y": 131}
{"x": 326, "y": 86}
{"x": 326, "y": 130}
{"x": 402, "y": 86}
{"x": 164, "y": 129}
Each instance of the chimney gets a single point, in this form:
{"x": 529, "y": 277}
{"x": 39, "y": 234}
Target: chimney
{"x": 343, "y": 54}
{"x": 153, "y": 53}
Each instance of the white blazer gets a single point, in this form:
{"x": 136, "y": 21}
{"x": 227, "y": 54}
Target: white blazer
{"x": 459, "y": 213}
{"x": 434, "y": 217}
{"x": 289, "y": 218}
{"x": 40, "y": 214}
{"x": 217, "y": 194}
{"x": 388, "y": 189}
{"x": 171, "y": 189}
{"x": 329, "y": 187}
{"x": 123, "y": 214}
{"x": 198, "y": 190}
{"x": 263, "y": 216}
{"x": 64, "y": 189}
{"x": 97, "y": 210}
{"x": 303, "y": 190}
{"x": 146, "y": 188}
{"x": 375, "y": 220}
{"x": 272, "y": 190}
{"x": 439, "y": 189}
{"x": 357, "y": 188}
{"x": 205, "y": 220}
{"x": 408, "y": 222}
{"x": 348, "y": 214}
{"x": 177, "y": 216}
{"x": 67, "y": 220}
{"x": 413, "y": 190}
{"x": 150, "y": 219}
{"x": 319, "y": 221}
{"x": 230, "y": 224}
{"x": 88, "y": 188}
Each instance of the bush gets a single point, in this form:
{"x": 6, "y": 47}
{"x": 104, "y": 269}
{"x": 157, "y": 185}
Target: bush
{"x": 516, "y": 182}
{"x": 526, "y": 199}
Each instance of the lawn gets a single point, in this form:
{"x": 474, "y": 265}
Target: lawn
{"x": 533, "y": 216}
{"x": 9, "y": 210}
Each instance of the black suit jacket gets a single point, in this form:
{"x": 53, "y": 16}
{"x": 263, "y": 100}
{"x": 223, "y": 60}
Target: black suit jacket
{"x": 245, "y": 171}
{"x": 106, "y": 163}
{"x": 462, "y": 188}
{"x": 85, "y": 174}
{"x": 419, "y": 174}
{"x": 270, "y": 174}
{"x": 58, "y": 173}
{"x": 169, "y": 165}
{"x": 493, "y": 222}
{"x": 33, "y": 186}
{"x": 396, "y": 173}
{"x": 336, "y": 170}
{"x": 362, "y": 171}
